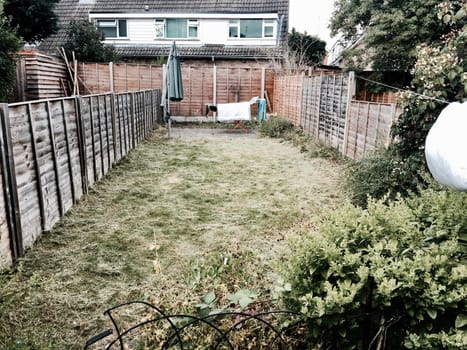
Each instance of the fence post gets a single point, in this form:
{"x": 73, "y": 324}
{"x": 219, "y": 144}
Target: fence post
{"x": 350, "y": 87}
{"x": 9, "y": 184}
{"x": 111, "y": 77}
{"x": 80, "y": 128}
{"x": 132, "y": 119}
{"x": 114, "y": 124}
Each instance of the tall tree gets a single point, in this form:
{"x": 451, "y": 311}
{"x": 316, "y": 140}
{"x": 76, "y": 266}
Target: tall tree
{"x": 306, "y": 48}
{"x": 86, "y": 41}
{"x": 9, "y": 45}
{"x": 391, "y": 29}
{"x": 34, "y": 20}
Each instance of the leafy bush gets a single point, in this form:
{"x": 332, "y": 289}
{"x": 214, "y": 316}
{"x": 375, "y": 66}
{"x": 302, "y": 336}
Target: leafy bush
{"x": 275, "y": 127}
{"x": 34, "y": 20}
{"x": 9, "y": 45}
{"x": 411, "y": 248}
{"x": 85, "y": 40}
{"x": 383, "y": 174}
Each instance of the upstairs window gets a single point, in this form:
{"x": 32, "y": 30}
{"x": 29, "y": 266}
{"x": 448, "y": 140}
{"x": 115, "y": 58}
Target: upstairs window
{"x": 234, "y": 28}
{"x": 160, "y": 28}
{"x": 112, "y": 28}
{"x": 268, "y": 28}
{"x": 252, "y": 28}
{"x": 176, "y": 28}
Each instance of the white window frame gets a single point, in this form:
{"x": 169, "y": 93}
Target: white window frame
{"x": 234, "y": 23}
{"x": 267, "y": 22}
{"x": 192, "y": 23}
{"x": 162, "y": 24}
{"x": 159, "y": 28}
{"x": 112, "y": 23}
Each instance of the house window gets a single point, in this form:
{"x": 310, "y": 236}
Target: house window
{"x": 234, "y": 28}
{"x": 160, "y": 28}
{"x": 268, "y": 28}
{"x": 112, "y": 28}
{"x": 176, "y": 28}
{"x": 193, "y": 25}
{"x": 251, "y": 28}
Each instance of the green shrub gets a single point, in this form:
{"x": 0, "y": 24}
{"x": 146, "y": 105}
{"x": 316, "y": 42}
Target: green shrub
{"x": 275, "y": 127}
{"x": 281, "y": 127}
{"x": 9, "y": 45}
{"x": 85, "y": 40}
{"x": 411, "y": 248}
{"x": 383, "y": 174}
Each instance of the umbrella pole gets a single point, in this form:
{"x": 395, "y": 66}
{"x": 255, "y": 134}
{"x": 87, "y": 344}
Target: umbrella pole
{"x": 169, "y": 119}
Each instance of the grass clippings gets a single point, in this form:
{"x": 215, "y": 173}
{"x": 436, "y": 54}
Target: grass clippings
{"x": 173, "y": 221}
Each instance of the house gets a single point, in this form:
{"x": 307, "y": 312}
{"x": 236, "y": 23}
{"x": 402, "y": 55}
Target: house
{"x": 142, "y": 30}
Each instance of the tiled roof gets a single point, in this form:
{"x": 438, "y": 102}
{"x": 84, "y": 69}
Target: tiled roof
{"x": 206, "y": 51}
{"x": 68, "y": 10}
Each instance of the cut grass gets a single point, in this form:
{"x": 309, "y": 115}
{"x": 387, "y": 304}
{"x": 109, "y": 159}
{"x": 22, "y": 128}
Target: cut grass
{"x": 154, "y": 229}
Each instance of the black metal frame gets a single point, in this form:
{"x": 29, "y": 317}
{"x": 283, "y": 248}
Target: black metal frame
{"x": 175, "y": 338}
{"x": 287, "y": 332}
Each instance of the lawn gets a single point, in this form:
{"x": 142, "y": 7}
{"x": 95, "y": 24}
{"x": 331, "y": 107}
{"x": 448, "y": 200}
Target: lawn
{"x": 174, "y": 220}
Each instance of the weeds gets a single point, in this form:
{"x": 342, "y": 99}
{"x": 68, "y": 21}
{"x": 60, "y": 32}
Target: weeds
{"x": 159, "y": 229}
{"x": 282, "y": 128}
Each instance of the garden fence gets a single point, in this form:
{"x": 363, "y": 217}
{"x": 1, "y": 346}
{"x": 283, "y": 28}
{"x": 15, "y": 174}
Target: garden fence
{"x": 52, "y": 151}
{"x": 203, "y": 83}
{"x": 39, "y": 76}
{"x": 324, "y": 106}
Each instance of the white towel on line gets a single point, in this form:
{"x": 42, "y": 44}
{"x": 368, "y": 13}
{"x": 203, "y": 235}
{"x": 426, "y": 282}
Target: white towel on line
{"x": 230, "y": 112}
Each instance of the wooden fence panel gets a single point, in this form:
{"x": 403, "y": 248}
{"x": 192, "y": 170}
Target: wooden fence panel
{"x": 328, "y": 113}
{"x": 333, "y": 106}
{"x": 203, "y": 84}
{"x": 369, "y": 127}
{"x": 40, "y": 76}
{"x": 28, "y": 177}
{"x": 309, "y": 118}
{"x": 68, "y": 129}
{"x": 123, "y": 123}
{"x": 6, "y": 256}
{"x": 5, "y": 250}
{"x": 288, "y": 96}
{"x": 53, "y": 150}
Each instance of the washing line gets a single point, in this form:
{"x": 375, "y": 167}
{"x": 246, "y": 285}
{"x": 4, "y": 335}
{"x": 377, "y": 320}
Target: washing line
{"x": 403, "y": 90}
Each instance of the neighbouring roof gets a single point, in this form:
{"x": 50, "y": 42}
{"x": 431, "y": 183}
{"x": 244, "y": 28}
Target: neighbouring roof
{"x": 69, "y": 10}
{"x": 206, "y": 51}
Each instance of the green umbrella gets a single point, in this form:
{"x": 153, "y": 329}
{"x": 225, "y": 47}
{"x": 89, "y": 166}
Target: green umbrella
{"x": 174, "y": 76}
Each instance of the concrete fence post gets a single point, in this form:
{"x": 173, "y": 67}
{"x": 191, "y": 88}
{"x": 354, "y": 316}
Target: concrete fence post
{"x": 111, "y": 77}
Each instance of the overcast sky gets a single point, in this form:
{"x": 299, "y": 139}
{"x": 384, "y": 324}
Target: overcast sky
{"x": 312, "y": 16}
